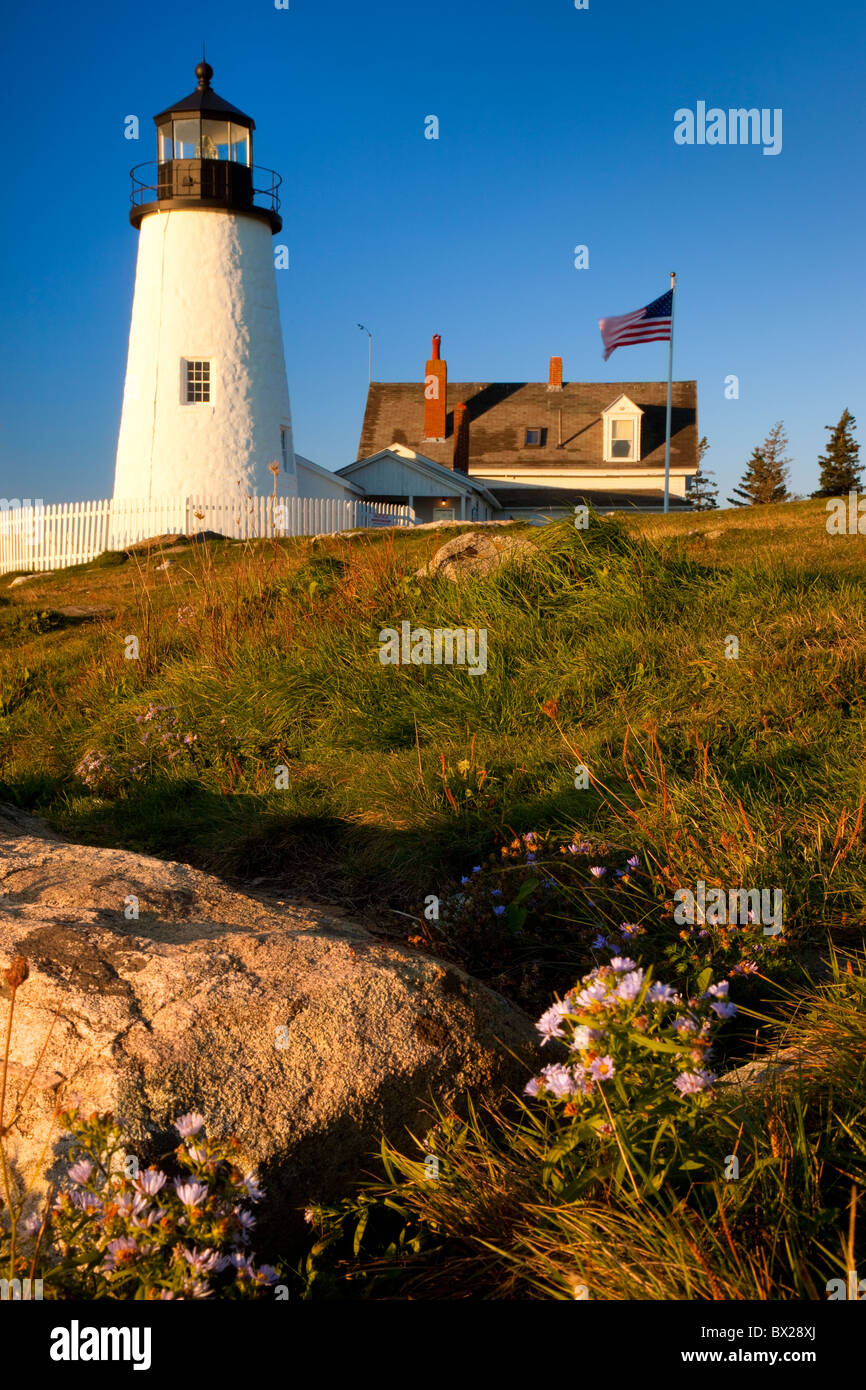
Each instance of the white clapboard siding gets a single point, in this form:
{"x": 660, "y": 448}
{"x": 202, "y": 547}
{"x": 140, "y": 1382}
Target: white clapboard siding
{"x": 38, "y": 537}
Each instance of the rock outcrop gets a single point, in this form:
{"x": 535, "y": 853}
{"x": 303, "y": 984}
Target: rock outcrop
{"x": 305, "y": 1036}
{"x": 476, "y": 552}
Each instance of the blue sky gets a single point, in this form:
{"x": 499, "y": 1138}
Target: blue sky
{"x": 556, "y": 129}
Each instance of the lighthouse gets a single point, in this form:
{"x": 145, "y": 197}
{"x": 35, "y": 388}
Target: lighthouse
{"x": 206, "y": 400}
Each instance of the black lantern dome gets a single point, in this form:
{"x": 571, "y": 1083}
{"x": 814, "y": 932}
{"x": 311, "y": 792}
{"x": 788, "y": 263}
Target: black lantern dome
{"x": 205, "y": 160}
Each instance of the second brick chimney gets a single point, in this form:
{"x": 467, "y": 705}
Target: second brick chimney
{"x": 460, "y": 462}
{"x": 435, "y": 390}
{"x": 554, "y": 382}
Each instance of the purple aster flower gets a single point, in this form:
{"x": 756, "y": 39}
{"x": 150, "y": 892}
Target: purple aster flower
{"x": 477, "y": 869}
{"x": 531, "y": 1087}
{"x": 80, "y": 1172}
{"x": 661, "y": 994}
{"x": 549, "y": 1023}
{"x": 688, "y": 1083}
{"x": 622, "y": 963}
{"x": 594, "y": 993}
{"x": 634, "y": 862}
{"x": 200, "y": 1288}
{"x": 496, "y": 892}
{"x": 464, "y": 881}
{"x": 630, "y": 986}
{"x": 189, "y": 1124}
{"x": 724, "y": 1009}
{"x": 598, "y": 870}
{"x": 192, "y": 1194}
{"x": 124, "y": 1245}
{"x": 131, "y": 1203}
{"x": 245, "y": 1218}
{"x": 601, "y": 1068}
{"x": 499, "y": 911}
{"x": 251, "y": 1183}
{"x": 558, "y": 1080}
{"x": 86, "y": 1201}
{"x": 530, "y": 858}
{"x": 583, "y": 1036}
{"x": 150, "y": 1181}
{"x": 719, "y": 991}
{"x": 267, "y": 1274}
{"x": 200, "y": 1261}
{"x": 684, "y": 1024}
{"x": 145, "y": 1219}
{"x": 600, "y": 942}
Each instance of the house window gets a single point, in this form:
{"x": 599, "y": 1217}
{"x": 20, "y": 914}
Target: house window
{"x": 622, "y": 439}
{"x": 622, "y": 422}
{"x": 197, "y": 381}
{"x": 535, "y": 438}
{"x": 286, "y": 449}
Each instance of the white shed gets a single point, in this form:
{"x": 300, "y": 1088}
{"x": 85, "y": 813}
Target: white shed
{"x": 399, "y": 474}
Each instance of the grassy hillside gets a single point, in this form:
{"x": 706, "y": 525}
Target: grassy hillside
{"x": 706, "y": 671}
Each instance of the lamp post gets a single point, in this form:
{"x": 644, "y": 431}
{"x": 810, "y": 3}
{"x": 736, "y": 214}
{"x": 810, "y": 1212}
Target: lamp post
{"x": 370, "y": 356}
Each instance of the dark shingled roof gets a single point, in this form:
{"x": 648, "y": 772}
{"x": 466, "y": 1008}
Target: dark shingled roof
{"x": 500, "y": 412}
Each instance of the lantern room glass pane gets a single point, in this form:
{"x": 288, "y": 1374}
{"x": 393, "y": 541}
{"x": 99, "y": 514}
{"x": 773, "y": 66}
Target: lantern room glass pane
{"x": 240, "y": 144}
{"x": 164, "y": 142}
{"x": 214, "y": 140}
{"x": 187, "y": 137}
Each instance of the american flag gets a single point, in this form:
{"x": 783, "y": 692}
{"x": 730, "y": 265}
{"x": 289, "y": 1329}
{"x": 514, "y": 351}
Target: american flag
{"x": 648, "y": 325}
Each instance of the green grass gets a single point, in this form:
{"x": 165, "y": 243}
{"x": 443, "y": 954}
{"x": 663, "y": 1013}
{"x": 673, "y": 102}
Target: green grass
{"x": 738, "y": 771}
{"x": 606, "y": 649}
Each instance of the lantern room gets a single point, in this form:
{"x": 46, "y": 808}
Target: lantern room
{"x": 204, "y": 159}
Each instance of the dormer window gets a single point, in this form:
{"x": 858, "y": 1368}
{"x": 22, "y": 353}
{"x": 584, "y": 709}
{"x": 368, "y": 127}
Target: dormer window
{"x": 536, "y": 438}
{"x": 622, "y": 431}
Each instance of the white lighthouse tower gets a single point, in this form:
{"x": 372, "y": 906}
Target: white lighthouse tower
{"x": 206, "y": 401}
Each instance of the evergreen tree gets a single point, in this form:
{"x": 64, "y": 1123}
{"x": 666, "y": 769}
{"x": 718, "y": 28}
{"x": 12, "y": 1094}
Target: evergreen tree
{"x": 705, "y": 494}
{"x": 766, "y": 476}
{"x": 840, "y": 469}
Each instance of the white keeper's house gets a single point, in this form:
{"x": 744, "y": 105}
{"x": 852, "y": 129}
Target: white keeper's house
{"x": 528, "y": 450}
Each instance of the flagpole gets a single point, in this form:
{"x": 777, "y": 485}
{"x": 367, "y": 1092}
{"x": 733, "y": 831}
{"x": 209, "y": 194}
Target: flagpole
{"x": 668, "y": 411}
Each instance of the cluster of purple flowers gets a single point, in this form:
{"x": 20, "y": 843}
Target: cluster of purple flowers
{"x": 165, "y": 732}
{"x": 598, "y": 1019}
{"x": 167, "y": 1238}
{"x": 95, "y": 769}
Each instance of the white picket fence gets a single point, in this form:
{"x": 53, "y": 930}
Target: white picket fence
{"x": 38, "y": 537}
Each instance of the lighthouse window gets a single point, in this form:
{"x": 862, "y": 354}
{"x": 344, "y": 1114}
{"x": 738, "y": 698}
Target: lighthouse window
{"x": 165, "y": 143}
{"x": 215, "y": 140}
{"x": 197, "y": 381}
{"x": 187, "y": 135}
{"x": 286, "y": 446}
{"x": 240, "y": 144}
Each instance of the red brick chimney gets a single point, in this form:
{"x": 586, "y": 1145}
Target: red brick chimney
{"x": 461, "y": 438}
{"x": 555, "y": 379}
{"x": 435, "y": 390}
